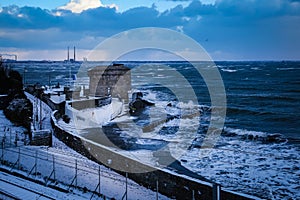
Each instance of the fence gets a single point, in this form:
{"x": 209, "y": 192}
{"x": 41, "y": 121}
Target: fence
{"x": 55, "y": 169}
{"x": 47, "y": 164}
{"x": 14, "y": 138}
{"x": 17, "y": 138}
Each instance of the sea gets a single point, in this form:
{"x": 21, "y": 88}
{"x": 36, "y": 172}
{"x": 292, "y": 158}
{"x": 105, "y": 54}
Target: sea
{"x": 258, "y": 151}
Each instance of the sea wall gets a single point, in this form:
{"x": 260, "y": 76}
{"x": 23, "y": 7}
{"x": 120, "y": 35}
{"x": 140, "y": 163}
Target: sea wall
{"x": 174, "y": 186}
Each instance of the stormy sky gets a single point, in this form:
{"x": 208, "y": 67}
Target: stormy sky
{"x": 227, "y": 29}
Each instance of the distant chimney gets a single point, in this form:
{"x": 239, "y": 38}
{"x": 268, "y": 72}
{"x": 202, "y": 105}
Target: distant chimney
{"x": 74, "y": 54}
{"x": 68, "y": 58}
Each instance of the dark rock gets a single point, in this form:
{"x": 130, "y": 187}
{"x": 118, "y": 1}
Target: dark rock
{"x": 273, "y": 137}
{"x": 137, "y": 104}
{"x": 17, "y": 107}
{"x": 250, "y": 137}
{"x": 19, "y": 110}
{"x": 3, "y": 102}
{"x": 66, "y": 118}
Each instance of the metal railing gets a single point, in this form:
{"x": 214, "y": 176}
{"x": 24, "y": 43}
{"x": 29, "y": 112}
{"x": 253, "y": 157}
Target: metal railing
{"x": 54, "y": 168}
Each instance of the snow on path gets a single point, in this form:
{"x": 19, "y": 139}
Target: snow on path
{"x": 27, "y": 190}
{"x": 112, "y": 184}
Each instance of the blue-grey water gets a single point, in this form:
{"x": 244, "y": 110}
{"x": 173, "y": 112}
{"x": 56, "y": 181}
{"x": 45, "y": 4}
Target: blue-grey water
{"x": 258, "y": 152}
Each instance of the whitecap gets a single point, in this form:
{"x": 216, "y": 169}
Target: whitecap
{"x": 59, "y": 77}
{"x": 255, "y": 68}
{"x": 285, "y": 68}
{"x": 229, "y": 70}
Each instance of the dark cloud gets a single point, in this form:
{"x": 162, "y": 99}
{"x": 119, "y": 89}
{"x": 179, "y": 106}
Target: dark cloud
{"x": 27, "y": 18}
{"x": 228, "y": 25}
{"x": 197, "y": 8}
{"x": 109, "y": 18}
{"x": 258, "y": 8}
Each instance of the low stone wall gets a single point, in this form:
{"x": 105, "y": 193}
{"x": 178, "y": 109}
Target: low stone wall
{"x": 171, "y": 185}
{"x": 91, "y": 103}
{"x": 41, "y": 138}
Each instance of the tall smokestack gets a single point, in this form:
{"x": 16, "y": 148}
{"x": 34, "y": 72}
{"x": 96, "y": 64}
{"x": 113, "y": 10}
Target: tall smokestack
{"x": 74, "y": 54}
{"x": 68, "y": 58}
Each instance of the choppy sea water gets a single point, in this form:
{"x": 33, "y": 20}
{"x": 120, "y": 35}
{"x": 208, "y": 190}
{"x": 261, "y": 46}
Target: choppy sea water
{"x": 258, "y": 150}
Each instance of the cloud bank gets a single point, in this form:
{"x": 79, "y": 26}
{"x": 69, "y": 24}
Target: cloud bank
{"x": 228, "y": 29}
{"x": 77, "y": 6}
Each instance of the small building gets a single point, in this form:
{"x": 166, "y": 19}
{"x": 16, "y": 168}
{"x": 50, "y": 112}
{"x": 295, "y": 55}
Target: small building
{"x": 114, "y": 80}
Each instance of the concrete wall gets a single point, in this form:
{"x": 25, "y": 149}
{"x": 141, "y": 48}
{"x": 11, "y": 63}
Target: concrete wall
{"x": 90, "y": 103}
{"x": 174, "y": 186}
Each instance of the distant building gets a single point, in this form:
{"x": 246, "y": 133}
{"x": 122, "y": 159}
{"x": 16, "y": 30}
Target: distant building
{"x": 114, "y": 80}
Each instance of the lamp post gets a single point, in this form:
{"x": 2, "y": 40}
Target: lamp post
{"x": 24, "y": 75}
{"x": 49, "y": 78}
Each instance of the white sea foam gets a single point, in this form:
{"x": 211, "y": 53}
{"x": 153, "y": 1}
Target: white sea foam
{"x": 58, "y": 77}
{"x": 287, "y": 68}
{"x": 242, "y": 132}
{"x": 269, "y": 171}
{"x": 255, "y": 68}
{"x": 229, "y": 70}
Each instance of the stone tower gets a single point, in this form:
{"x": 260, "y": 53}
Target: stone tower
{"x": 114, "y": 80}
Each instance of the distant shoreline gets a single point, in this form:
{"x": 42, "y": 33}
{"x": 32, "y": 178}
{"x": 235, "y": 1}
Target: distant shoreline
{"x": 143, "y": 61}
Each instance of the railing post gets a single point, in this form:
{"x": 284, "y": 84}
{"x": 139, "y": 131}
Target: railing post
{"x": 99, "y": 175}
{"x": 75, "y": 176}
{"x": 35, "y": 163}
{"x": 157, "y": 189}
{"x": 19, "y": 154}
{"x": 216, "y": 191}
{"x": 2, "y": 155}
{"x": 126, "y": 186}
{"x": 76, "y": 173}
{"x": 98, "y": 185}
{"x": 3, "y": 142}
{"x": 54, "y": 176}
{"x": 193, "y": 195}
{"x": 10, "y": 137}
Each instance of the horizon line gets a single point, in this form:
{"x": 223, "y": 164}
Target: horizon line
{"x": 116, "y": 61}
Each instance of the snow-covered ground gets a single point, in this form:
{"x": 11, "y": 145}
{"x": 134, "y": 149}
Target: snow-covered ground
{"x": 20, "y": 188}
{"x": 9, "y": 132}
{"x": 94, "y": 117}
{"x": 63, "y": 162}
{"x": 112, "y": 184}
